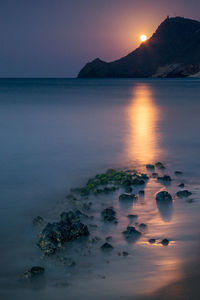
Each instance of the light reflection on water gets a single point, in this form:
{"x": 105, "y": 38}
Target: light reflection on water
{"x": 143, "y": 115}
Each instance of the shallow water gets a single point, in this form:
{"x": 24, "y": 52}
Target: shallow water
{"x": 55, "y": 134}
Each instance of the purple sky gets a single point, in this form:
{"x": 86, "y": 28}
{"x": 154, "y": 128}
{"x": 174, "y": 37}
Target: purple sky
{"x": 55, "y": 38}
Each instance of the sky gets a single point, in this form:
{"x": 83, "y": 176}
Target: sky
{"x": 55, "y": 38}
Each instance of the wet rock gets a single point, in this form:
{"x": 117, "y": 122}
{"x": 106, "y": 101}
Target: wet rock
{"x": 87, "y": 206}
{"x": 163, "y": 196}
{"x": 160, "y": 165}
{"x": 154, "y": 175}
{"x": 106, "y": 247}
{"x": 143, "y": 176}
{"x": 95, "y": 239}
{"x": 178, "y": 173}
{"x": 181, "y": 185}
{"x": 129, "y": 197}
{"x": 71, "y": 197}
{"x": 141, "y": 193}
{"x": 67, "y": 261}
{"x": 143, "y": 227}
{"x": 55, "y": 234}
{"x": 33, "y": 272}
{"x": 127, "y": 182}
{"x": 109, "y": 214}
{"x": 37, "y": 220}
{"x": 183, "y": 194}
{"x": 131, "y": 233}
{"x": 128, "y": 189}
{"x": 137, "y": 181}
{"x": 124, "y": 253}
{"x": 150, "y": 167}
{"x": 165, "y": 242}
{"x": 165, "y": 178}
{"x": 152, "y": 241}
{"x": 109, "y": 189}
{"x": 132, "y": 216}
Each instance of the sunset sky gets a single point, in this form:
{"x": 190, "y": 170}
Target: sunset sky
{"x": 55, "y": 38}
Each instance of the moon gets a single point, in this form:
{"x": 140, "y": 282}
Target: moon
{"x": 143, "y": 38}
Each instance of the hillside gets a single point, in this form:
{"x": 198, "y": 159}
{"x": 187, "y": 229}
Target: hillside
{"x": 172, "y": 51}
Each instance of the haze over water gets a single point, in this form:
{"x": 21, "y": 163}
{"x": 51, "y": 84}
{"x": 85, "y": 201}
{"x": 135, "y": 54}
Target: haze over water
{"x": 55, "y": 134}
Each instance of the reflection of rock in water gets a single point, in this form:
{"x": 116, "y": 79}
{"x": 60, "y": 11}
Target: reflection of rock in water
{"x": 165, "y": 209}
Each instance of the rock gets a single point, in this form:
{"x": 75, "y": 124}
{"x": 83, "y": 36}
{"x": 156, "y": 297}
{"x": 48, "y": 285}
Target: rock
{"x": 137, "y": 181}
{"x": 109, "y": 238}
{"x": 131, "y": 233}
{"x": 87, "y": 206}
{"x": 67, "y": 261}
{"x": 165, "y": 178}
{"x": 143, "y": 176}
{"x": 163, "y": 196}
{"x": 178, "y": 173}
{"x": 154, "y": 175}
{"x": 95, "y": 239}
{"x": 143, "y": 227}
{"x": 181, "y": 185}
{"x": 106, "y": 247}
{"x": 55, "y": 234}
{"x": 71, "y": 197}
{"x": 33, "y": 272}
{"x": 132, "y": 216}
{"x": 152, "y": 241}
{"x": 127, "y": 182}
{"x": 129, "y": 197}
{"x": 38, "y": 220}
{"x": 128, "y": 189}
{"x": 124, "y": 253}
{"x": 150, "y": 167}
{"x": 165, "y": 242}
{"x": 183, "y": 194}
{"x": 141, "y": 193}
{"x": 109, "y": 214}
{"x": 160, "y": 165}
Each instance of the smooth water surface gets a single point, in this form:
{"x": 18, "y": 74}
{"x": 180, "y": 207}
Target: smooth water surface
{"x": 55, "y": 134}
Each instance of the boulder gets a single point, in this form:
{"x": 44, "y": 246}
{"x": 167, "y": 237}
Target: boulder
{"x": 106, "y": 247}
{"x": 108, "y": 214}
{"x": 160, "y": 165}
{"x": 131, "y": 233}
{"x": 138, "y": 181}
{"x": 33, "y": 272}
{"x": 150, "y": 167}
{"x": 165, "y": 242}
{"x": 165, "y": 178}
{"x": 163, "y": 196}
{"x": 129, "y": 197}
{"x": 183, "y": 194}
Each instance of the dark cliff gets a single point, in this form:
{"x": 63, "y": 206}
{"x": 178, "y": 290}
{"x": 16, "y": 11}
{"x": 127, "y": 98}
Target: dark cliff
{"x": 172, "y": 51}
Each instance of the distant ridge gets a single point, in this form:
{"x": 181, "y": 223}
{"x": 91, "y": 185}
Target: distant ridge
{"x": 172, "y": 51}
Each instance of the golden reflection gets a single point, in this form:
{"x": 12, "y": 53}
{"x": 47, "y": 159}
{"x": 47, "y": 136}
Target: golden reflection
{"x": 142, "y": 117}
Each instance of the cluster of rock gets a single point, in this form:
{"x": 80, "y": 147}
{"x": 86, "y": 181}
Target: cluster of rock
{"x": 71, "y": 226}
{"x": 55, "y": 234}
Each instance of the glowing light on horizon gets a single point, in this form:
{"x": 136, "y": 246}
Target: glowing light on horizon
{"x": 143, "y": 38}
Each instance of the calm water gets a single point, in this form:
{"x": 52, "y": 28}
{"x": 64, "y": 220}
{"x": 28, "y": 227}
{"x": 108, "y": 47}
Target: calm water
{"x": 55, "y": 134}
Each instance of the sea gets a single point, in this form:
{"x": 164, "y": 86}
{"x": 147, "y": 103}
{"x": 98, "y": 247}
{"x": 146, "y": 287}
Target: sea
{"x": 55, "y": 134}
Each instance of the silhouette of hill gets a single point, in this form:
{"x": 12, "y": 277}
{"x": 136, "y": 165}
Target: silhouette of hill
{"x": 172, "y": 51}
